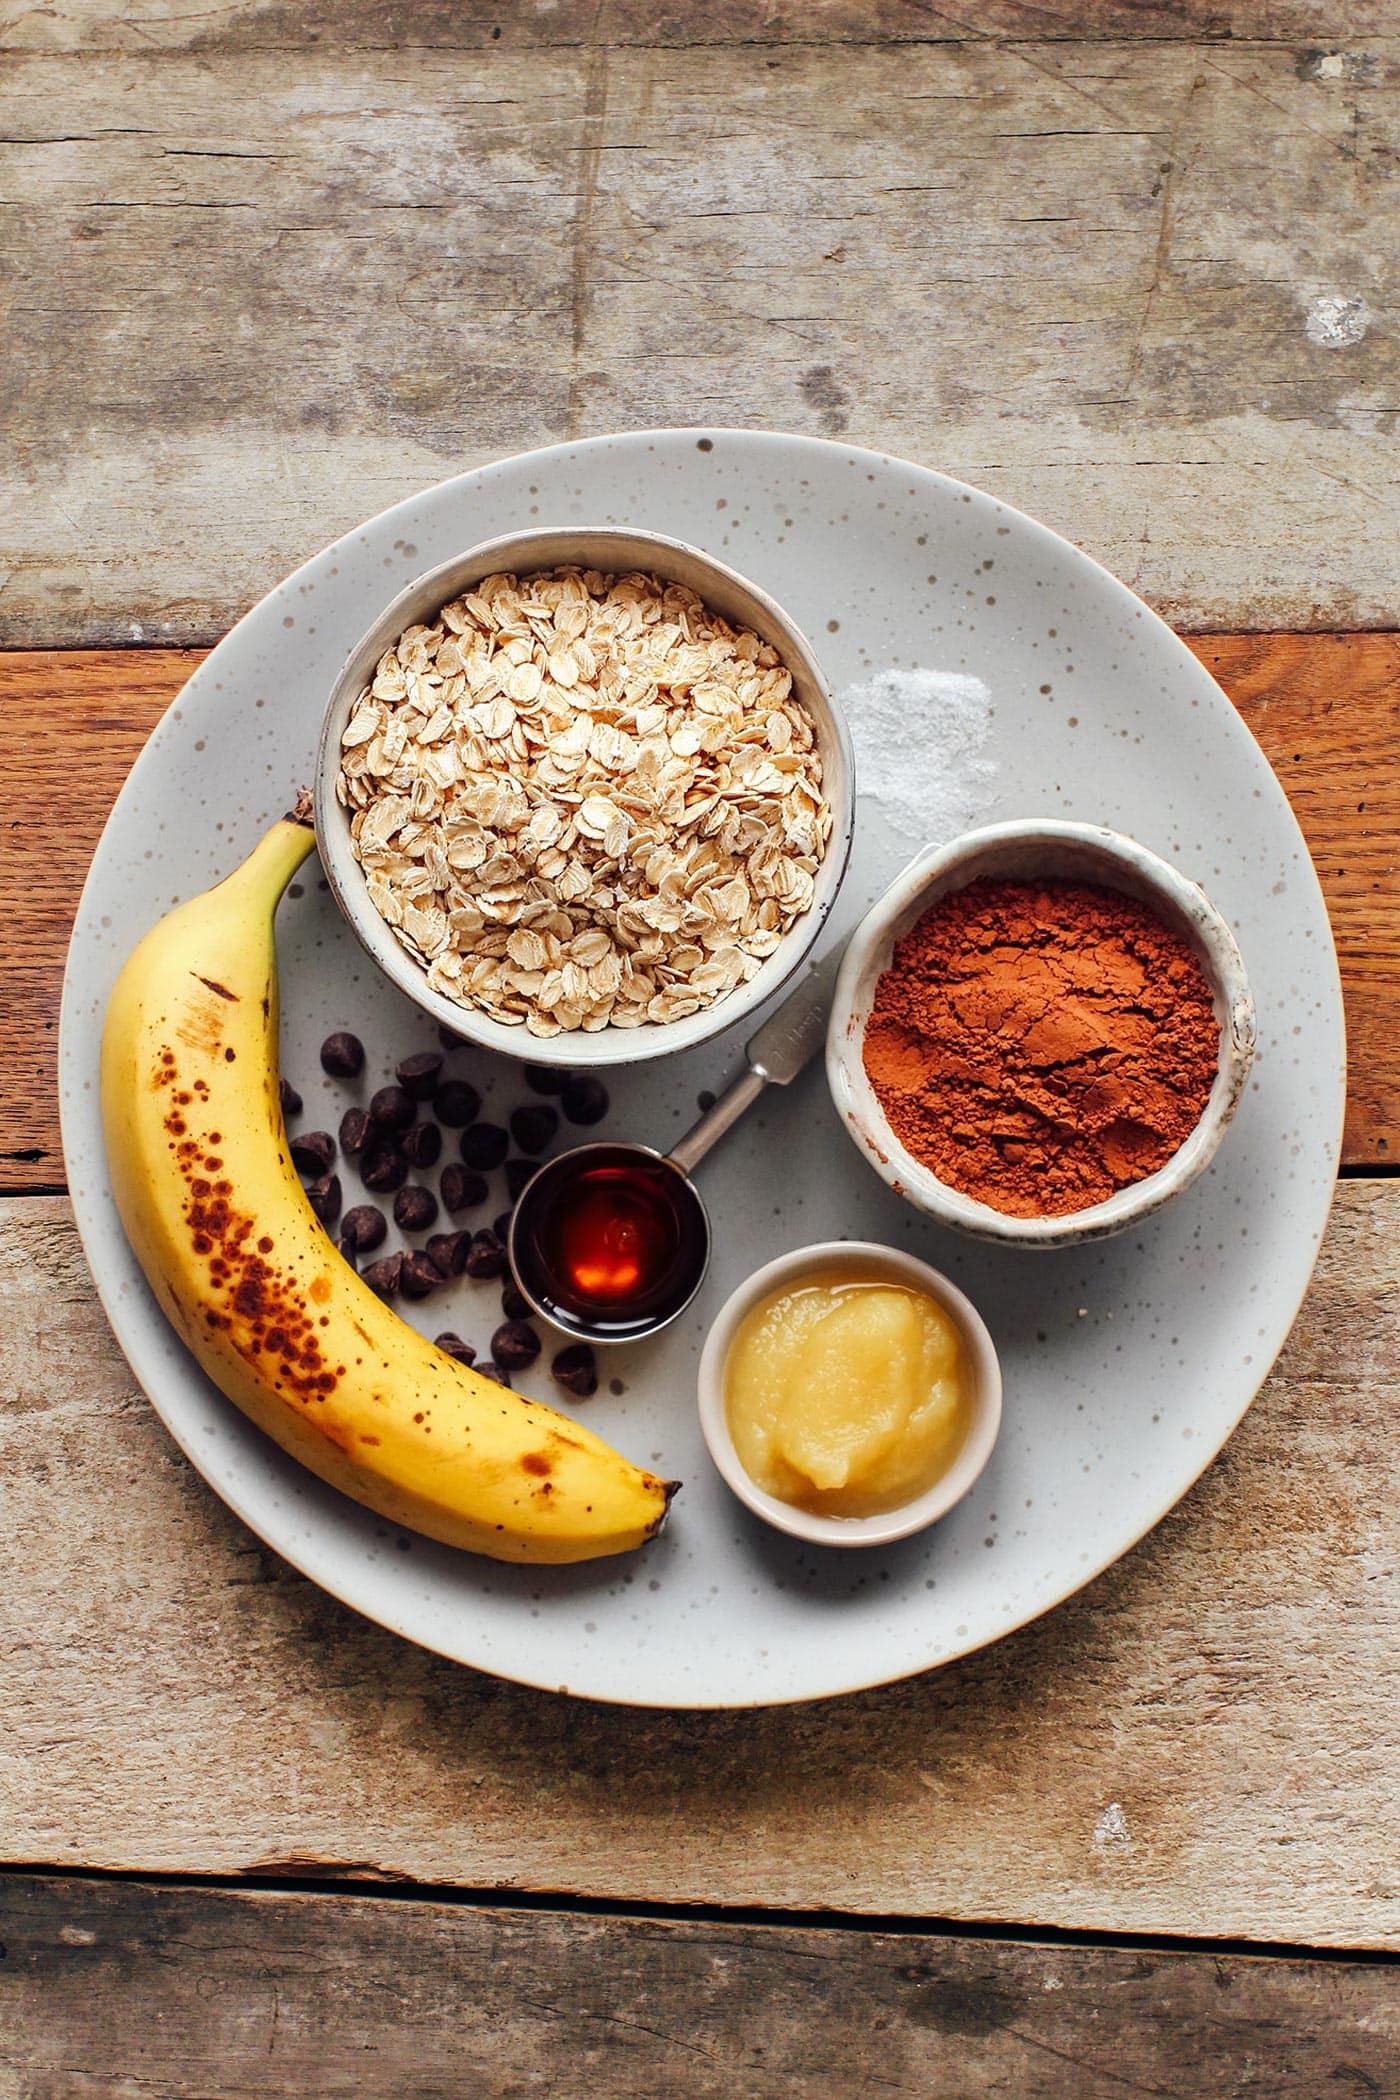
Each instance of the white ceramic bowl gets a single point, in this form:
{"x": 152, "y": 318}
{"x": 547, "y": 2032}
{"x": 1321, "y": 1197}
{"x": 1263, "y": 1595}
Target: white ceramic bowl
{"x": 863, "y": 1258}
{"x": 605, "y": 548}
{"x": 1036, "y": 849}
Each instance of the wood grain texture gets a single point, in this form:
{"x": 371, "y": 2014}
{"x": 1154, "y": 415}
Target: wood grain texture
{"x": 125, "y": 1986}
{"x": 96, "y": 711}
{"x": 360, "y": 25}
{"x": 1326, "y": 709}
{"x": 1203, "y": 1742}
{"x": 271, "y": 267}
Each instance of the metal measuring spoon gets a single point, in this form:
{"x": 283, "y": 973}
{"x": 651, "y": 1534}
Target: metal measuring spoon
{"x": 611, "y": 1241}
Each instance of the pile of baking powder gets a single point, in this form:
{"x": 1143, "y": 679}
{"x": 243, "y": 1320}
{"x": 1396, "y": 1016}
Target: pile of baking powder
{"x": 920, "y": 740}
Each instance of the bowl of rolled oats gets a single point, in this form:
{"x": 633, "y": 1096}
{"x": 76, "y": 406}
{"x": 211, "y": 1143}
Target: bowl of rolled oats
{"x": 585, "y": 795}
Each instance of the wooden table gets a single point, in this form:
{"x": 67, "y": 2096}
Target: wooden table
{"x": 271, "y": 267}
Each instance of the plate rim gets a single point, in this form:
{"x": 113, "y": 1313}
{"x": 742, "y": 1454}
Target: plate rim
{"x": 122, "y": 1322}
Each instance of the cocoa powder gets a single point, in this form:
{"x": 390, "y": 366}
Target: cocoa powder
{"x": 1039, "y": 1045}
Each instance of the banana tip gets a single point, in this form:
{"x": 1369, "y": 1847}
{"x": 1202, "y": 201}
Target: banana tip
{"x": 670, "y": 1489}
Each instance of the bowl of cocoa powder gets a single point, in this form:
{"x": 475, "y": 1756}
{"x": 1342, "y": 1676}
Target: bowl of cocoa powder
{"x": 1040, "y": 1032}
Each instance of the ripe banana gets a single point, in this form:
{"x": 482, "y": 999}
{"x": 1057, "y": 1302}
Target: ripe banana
{"x": 282, "y": 1324}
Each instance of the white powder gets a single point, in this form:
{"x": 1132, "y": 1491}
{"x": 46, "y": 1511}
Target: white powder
{"x": 1111, "y": 1831}
{"x": 1335, "y": 321}
{"x": 920, "y": 739}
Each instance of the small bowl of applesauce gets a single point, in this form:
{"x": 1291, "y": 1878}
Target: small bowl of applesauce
{"x": 849, "y": 1394}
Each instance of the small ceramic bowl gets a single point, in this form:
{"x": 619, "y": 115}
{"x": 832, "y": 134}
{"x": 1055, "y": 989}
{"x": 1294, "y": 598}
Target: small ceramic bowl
{"x": 864, "y": 1259}
{"x": 605, "y": 548}
{"x": 1036, "y": 849}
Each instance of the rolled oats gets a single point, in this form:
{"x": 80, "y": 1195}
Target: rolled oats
{"x": 584, "y": 801}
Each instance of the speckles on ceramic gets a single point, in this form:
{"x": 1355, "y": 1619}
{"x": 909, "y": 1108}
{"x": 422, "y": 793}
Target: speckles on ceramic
{"x": 1126, "y": 1363}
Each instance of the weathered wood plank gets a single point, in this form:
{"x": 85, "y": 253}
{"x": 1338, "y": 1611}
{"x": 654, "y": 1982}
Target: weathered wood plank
{"x": 1141, "y": 287}
{"x": 1204, "y": 1742}
{"x": 1325, "y": 708}
{"x": 242, "y": 25}
{"x": 1306, "y": 698}
{"x": 81, "y": 719}
{"x": 126, "y": 1986}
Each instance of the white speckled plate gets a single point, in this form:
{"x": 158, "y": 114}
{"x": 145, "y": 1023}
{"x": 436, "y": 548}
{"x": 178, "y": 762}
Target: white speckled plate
{"x": 1127, "y": 1364}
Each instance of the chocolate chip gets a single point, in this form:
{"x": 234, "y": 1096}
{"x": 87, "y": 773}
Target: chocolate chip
{"x": 462, "y": 1189}
{"x": 292, "y": 1103}
{"x": 419, "y": 1277}
{"x": 354, "y": 1129}
{"x": 576, "y": 1369}
{"x": 323, "y": 1195}
{"x": 449, "y": 1037}
{"x": 532, "y": 1128}
{"x": 515, "y": 1305}
{"x": 418, "y": 1075}
{"x": 422, "y": 1144}
{"x": 501, "y": 1226}
{"x": 455, "y": 1103}
{"x": 383, "y": 1166}
{"x": 583, "y": 1098}
{"x": 543, "y": 1079}
{"x": 365, "y": 1228}
{"x": 514, "y": 1344}
{"x": 447, "y": 1251}
{"x": 415, "y": 1208}
{"x": 343, "y": 1055}
{"x": 384, "y": 1277}
{"x": 486, "y": 1256}
{"x": 484, "y": 1146}
{"x": 518, "y": 1172}
{"x": 453, "y": 1345}
{"x": 497, "y": 1374}
{"x": 392, "y": 1108}
{"x": 312, "y": 1151}
{"x": 348, "y": 1250}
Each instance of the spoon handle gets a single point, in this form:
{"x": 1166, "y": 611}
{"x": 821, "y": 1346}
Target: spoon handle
{"x": 792, "y": 1035}
{"x": 788, "y": 1041}
{"x": 698, "y": 1140}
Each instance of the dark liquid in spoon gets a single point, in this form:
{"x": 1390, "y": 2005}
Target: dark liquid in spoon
{"x": 614, "y": 1244}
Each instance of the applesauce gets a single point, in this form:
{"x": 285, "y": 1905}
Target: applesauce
{"x": 847, "y": 1395}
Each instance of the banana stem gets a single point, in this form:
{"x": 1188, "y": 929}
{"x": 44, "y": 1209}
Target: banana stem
{"x": 274, "y": 860}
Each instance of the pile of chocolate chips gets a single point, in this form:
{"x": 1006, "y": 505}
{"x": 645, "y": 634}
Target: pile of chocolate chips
{"x": 401, "y": 1132}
